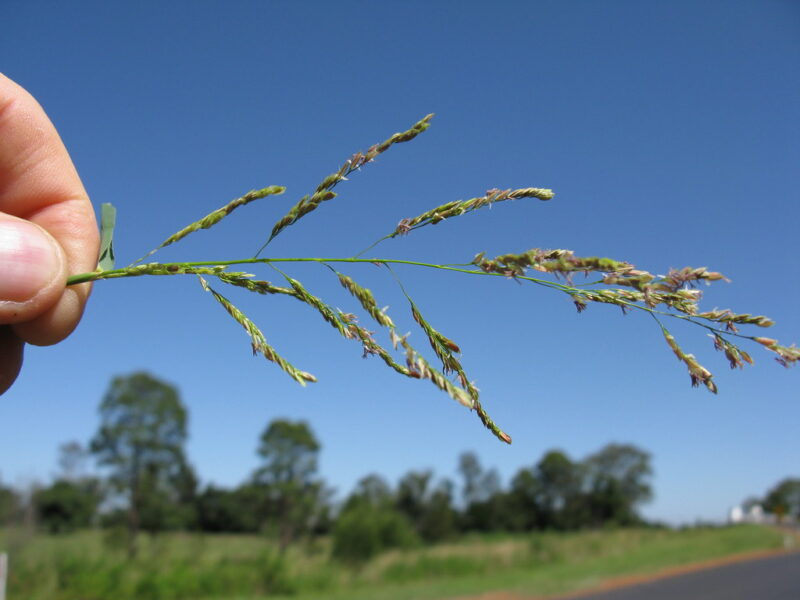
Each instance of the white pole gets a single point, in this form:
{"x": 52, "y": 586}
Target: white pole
{"x": 3, "y": 574}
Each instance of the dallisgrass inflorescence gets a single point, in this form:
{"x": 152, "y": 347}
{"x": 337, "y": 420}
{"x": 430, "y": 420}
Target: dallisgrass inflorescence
{"x": 673, "y": 295}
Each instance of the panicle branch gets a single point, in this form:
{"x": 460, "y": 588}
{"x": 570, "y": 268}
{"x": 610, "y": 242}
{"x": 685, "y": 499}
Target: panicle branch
{"x": 460, "y": 207}
{"x": 257, "y": 340}
{"x": 698, "y": 373}
{"x": 559, "y": 262}
{"x": 416, "y": 365}
{"x": 735, "y": 355}
{"x": 216, "y": 216}
{"x": 324, "y": 191}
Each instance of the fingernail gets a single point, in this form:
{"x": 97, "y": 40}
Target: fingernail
{"x": 29, "y": 261}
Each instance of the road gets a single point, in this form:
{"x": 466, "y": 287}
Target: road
{"x": 773, "y": 578}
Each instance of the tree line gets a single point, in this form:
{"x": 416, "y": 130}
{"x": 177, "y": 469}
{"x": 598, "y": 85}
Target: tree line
{"x": 149, "y": 485}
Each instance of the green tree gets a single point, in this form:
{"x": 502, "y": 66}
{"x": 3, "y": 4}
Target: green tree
{"x": 485, "y": 506}
{"x": 784, "y": 498}
{"x": 617, "y": 482}
{"x": 291, "y": 493}
{"x": 168, "y": 499}
{"x": 559, "y": 493}
{"x": 9, "y": 504}
{"x": 363, "y": 530}
{"x": 429, "y": 508}
{"x": 370, "y": 491}
{"x": 67, "y": 505}
{"x": 72, "y": 458}
{"x": 439, "y": 520}
{"x": 141, "y": 441}
{"x": 71, "y": 501}
{"x": 524, "y": 509}
{"x": 231, "y": 511}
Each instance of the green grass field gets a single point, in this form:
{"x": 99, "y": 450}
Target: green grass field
{"x": 91, "y": 565}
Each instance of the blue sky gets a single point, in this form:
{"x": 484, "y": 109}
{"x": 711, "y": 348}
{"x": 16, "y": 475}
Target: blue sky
{"x": 667, "y": 130}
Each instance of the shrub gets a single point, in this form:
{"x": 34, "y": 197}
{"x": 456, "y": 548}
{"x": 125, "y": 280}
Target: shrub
{"x": 364, "y": 531}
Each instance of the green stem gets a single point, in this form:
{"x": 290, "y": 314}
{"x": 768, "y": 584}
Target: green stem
{"x": 133, "y": 271}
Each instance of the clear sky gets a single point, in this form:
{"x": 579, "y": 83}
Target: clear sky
{"x": 668, "y": 130}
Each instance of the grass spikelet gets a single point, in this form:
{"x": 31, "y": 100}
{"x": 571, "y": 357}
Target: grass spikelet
{"x": 787, "y": 355}
{"x": 442, "y": 346}
{"x": 155, "y": 268}
{"x": 258, "y": 286}
{"x": 559, "y": 262}
{"x": 324, "y": 191}
{"x": 697, "y": 372}
{"x": 216, "y": 216}
{"x": 366, "y": 299}
{"x": 257, "y": 340}
{"x": 317, "y": 304}
{"x": 371, "y": 347}
{"x": 735, "y": 355}
{"x": 422, "y": 369}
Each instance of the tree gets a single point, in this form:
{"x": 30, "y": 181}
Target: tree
{"x": 439, "y": 519}
{"x": 617, "y": 482}
{"x": 71, "y": 501}
{"x": 484, "y": 503}
{"x": 784, "y": 498}
{"x": 370, "y": 491}
{"x": 67, "y": 505}
{"x": 231, "y": 511}
{"x": 479, "y": 485}
{"x": 523, "y": 499}
{"x": 364, "y": 530}
{"x": 559, "y": 491}
{"x": 292, "y": 495}
{"x": 10, "y": 504}
{"x": 141, "y": 440}
{"x": 72, "y": 457}
{"x": 168, "y": 499}
{"x": 428, "y": 507}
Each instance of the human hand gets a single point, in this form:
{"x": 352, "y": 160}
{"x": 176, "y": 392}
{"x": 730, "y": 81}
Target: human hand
{"x": 47, "y": 232}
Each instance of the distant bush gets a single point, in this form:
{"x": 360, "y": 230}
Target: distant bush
{"x": 430, "y": 567}
{"x": 363, "y": 531}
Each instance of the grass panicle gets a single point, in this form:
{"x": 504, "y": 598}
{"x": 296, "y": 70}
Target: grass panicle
{"x": 619, "y": 283}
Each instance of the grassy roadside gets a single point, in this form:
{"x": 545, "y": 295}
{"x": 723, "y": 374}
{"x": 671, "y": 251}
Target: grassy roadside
{"x": 85, "y": 566}
{"x": 551, "y": 563}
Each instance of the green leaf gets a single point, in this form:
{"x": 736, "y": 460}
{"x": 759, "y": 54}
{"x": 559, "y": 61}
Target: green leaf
{"x": 107, "y": 221}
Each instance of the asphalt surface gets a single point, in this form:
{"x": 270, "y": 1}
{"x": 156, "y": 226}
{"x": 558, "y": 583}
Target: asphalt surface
{"x": 774, "y": 578}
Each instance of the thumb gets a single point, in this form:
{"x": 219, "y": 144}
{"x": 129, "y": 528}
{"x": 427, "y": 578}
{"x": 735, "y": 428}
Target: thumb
{"x": 33, "y": 270}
